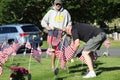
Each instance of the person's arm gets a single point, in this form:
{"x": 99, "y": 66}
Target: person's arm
{"x": 69, "y": 25}
{"x": 45, "y": 21}
{"x": 76, "y": 44}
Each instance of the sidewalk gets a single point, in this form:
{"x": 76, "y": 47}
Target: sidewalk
{"x": 114, "y": 52}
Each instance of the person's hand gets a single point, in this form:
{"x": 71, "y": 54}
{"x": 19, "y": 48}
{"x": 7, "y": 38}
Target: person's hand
{"x": 68, "y": 30}
{"x": 64, "y": 30}
{"x": 49, "y": 28}
{"x": 76, "y": 44}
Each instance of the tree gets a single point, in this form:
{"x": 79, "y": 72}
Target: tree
{"x": 32, "y": 11}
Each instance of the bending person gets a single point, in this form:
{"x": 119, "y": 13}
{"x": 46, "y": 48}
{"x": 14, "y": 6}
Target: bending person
{"x": 93, "y": 37}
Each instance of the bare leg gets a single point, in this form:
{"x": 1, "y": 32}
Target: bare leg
{"x": 88, "y": 60}
{"x": 53, "y": 60}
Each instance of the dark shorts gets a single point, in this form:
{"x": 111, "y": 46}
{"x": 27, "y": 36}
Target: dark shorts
{"x": 95, "y": 43}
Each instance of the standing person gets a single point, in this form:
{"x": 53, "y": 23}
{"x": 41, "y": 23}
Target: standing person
{"x": 57, "y": 19}
{"x": 93, "y": 37}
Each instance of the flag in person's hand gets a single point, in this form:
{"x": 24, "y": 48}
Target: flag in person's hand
{"x": 54, "y": 37}
{"x": 69, "y": 53}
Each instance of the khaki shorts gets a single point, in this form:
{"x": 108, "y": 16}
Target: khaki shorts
{"x": 95, "y": 43}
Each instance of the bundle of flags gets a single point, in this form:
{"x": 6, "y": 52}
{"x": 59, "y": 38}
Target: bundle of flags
{"x": 6, "y": 50}
{"x": 35, "y": 50}
{"x": 64, "y": 51}
{"x": 53, "y": 39}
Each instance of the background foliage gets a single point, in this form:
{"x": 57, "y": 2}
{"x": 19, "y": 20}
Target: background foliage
{"x": 32, "y": 11}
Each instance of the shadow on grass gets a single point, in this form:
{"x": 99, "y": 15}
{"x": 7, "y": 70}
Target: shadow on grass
{"x": 60, "y": 78}
{"x": 103, "y": 69}
{"x": 82, "y": 67}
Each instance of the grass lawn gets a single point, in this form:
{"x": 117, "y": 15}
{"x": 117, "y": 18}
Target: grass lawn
{"x": 108, "y": 68}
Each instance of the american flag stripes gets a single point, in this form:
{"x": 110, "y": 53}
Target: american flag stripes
{"x": 69, "y": 53}
{"x": 3, "y": 45}
{"x": 66, "y": 49}
{"x": 11, "y": 49}
{"x": 36, "y": 54}
{"x": 35, "y": 50}
{"x": 54, "y": 37}
{"x": 64, "y": 52}
{"x": 28, "y": 45}
{"x": 15, "y": 47}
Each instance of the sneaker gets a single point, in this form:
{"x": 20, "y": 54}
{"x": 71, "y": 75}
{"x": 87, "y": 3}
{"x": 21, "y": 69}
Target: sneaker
{"x": 90, "y": 75}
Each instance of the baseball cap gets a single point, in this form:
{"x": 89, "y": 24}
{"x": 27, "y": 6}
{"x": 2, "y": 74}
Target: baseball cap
{"x": 58, "y": 1}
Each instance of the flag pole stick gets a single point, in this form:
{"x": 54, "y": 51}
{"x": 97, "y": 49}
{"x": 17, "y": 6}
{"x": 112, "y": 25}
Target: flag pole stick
{"x": 24, "y": 53}
{"x": 12, "y": 57}
{"x": 30, "y": 59}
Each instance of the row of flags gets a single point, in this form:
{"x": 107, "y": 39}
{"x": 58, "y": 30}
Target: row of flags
{"x": 6, "y": 51}
{"x": 11, "y": 49}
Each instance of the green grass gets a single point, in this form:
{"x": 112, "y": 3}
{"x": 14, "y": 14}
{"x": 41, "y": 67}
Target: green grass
{"x": 108, "y": 68}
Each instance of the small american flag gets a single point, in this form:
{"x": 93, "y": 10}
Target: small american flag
{"x": 36, "y": 52}
{"x": 8, "y": 50}
{"x": 28, "y": 45}
{"x": 3, "y": 45}
{"x": 69, "y": 53}
{"x": 15, "y": 47}
{"x": 54, "y": 37}
{"x": 3, "y": 57}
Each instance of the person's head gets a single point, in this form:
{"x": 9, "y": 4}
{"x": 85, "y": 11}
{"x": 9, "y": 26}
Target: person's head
{"x": 58, "y": 4}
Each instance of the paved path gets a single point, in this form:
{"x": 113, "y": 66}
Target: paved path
{"x": 114, "y": 52}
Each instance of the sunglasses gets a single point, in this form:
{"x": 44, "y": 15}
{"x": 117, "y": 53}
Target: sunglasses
{"x": 58, "y": 4}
